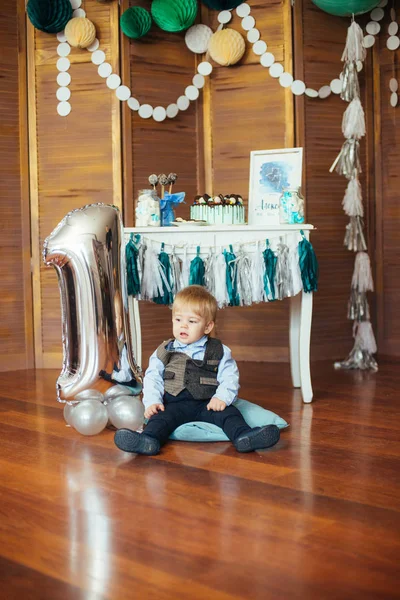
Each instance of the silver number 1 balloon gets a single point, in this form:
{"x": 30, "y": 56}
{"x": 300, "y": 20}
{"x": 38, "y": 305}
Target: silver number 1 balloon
{"x": 87, "y": 251}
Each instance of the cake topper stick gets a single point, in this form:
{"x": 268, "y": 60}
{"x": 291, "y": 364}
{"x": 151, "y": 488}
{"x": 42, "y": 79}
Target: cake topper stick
{"x": 163, "y": 180}
{"x": 172, "y": 177}
{"x": 153, "y": 180}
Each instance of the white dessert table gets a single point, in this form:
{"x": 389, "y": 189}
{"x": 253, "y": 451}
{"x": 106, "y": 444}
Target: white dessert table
{"x": 185, "y": 239}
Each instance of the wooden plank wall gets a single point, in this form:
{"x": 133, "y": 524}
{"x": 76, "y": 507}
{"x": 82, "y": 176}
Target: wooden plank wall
{"x": 16, "y": 330}
{"x": 75, "y": 160}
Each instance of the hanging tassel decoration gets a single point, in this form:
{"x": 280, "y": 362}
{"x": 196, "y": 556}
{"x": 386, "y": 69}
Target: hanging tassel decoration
{"x": 352, "y": 201}
{"x": 185, "y": 270}
{"x": 197, "y": 270}
{"x": 354, "y": 49}
{"x": 243, "y": 267}
{"x": 231, "y": 277}
{"x": 176, "y": 269}
{"x": 220, "y": 289}
{"x": 308, "y": 265}
{"x": 347, "y": 162}
{"x": 350, "y": 83}
{"x": 132, "y": 268}
{"x": 152, "y": 282}
{"x": 354, "y": 237}
{"x": 360, "y": 356}
{"x": 283, "y": 278}
{"x": 209, "y": 274}
{"x": 353, "y": 123}
{"x": 358, "y": 307}
{"x": 362, "y": 276}
{"x": 270, "y": 261}
{"x": 166, "y": 296}
{"x": 257, "y": 275}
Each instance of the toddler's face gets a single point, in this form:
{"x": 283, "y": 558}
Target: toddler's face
{"x": 188, "y": 327}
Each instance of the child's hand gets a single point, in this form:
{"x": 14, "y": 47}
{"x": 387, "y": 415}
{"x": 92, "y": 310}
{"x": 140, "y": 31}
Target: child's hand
{"x": 216, "y": 404}
{"x": 153, "y": 410}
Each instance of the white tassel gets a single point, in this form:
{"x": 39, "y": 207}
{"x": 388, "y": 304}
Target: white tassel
{"x": 362, "y": 276}
{"x": 352, "y": 201}
{"x": 152, "y": 282}
{"x": 221, "y": 293}
{"x": 257, "y": 275}
{"x": 354, "y": 49}
{"x": 185, "y": 271}
{"x": 353, "y": 123}
{"x": 364, "y": 337}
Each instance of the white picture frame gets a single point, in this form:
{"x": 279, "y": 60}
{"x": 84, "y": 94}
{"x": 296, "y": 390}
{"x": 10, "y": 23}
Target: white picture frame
{"x": 271, "y": 171}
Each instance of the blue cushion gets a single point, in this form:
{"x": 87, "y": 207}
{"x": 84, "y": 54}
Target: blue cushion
{"x": 254, "y": 415}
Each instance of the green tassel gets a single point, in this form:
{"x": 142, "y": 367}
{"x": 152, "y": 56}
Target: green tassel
{"x": 132, "y": 272}
{"x": 167, "y": 297}
{"x": 231, "y": 277}
{"x": 197, "y": 270}
{"x": 270, "y": 261}
{"x": 308, "y": 265}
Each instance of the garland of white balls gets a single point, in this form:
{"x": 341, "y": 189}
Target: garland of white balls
{"x": 197, "y": 38}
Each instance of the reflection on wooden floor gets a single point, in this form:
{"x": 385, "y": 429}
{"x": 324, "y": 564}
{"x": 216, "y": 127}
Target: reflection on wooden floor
{"x": 317, "y": 516}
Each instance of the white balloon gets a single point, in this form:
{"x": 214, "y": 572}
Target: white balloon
{"x": 68, "y": 408}
{"x": 115, "y": 391}
{"x": 192, "y": 92}
{"x": 63, "y": 109}
{"x": 105, "y": 70}
{"x": 89, "y": 417}
{"x": 63, "y": 94}
{"x": 113, "y": 81}
{"x": 172, "y": 111}
{"x": 243, "y": 10}
{"x": 90, "y": 394}
{"x": 183, "y": 102}
{"x": 159, "y": 114}
{"x": 126, "y": 412}
{"x": 63, "y": 78}
{"x": 267, "y": 59}
{"x": 63, "y": 49}
{"x": 253, "y": 35}
{"x": 146, "y": 111}
{"x": 63, "y": 64}
{"x": 123, "y": 92}
{"x": 276, "y": 70}
{"x": 198, "y": 81}
{"x": 93, "y": 46}
{"x": 259, "y": 47}
{"x": 133, "y": 103}
{"x": 205, "y": 68}
{"x": 98, "y": 57}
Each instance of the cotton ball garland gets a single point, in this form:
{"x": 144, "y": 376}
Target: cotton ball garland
{"x": 80, "y": 32}
{"x": 227, "y": 47}
{"x": 135, "y": 22}
{"x": 198, "y": 37}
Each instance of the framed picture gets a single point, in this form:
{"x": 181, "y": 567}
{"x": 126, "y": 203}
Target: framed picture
{"x": 271, "y": 172}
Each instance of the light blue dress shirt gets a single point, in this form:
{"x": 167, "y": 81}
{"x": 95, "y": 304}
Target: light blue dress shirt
{"x": 227, "y": 376}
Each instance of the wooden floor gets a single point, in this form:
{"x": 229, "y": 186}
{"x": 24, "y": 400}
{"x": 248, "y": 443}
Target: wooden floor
{"x": 317, "y": 516}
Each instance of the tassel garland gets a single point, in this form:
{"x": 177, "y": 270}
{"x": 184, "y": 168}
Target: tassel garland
{"x": 132, "y": 267}
{"x": 308, "y": 266}
{"x": 354, "y": 237}
{"x": 347, "y": 162}
{"x": 284, "y": 280}
{"x": 353, "y": 124}
{"x": 354, "y": 49}
{"x": 352, "y": 201}
{"x": 362, "y": 276}
{"x": 350, "y": 83}
{"x": 231, "y": 277}
{"x": 270, "y": 261}
{"x": 221, "y": 291}
{"x": 166, "y": 296}
{"x": 197, "y": 270}
{"x": 358, "y": 307}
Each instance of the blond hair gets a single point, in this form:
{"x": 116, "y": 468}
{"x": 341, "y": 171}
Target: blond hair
{"x": 199, "y": 300}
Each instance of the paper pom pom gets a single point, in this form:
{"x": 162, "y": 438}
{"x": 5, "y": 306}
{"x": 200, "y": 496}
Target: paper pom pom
{"x": 135, "y": 22}
{"x": 197, "y": 38}
{"x": 346, "y": 8}
{"x": 174, "y": 16}
{"x": 50, "y": 16}
{"x": 226, "y": 47}
{"x": 222, "y": 4}
{"x": 80, "y": 32}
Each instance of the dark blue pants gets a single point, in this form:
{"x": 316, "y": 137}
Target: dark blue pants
{"x": 185, "y": 409}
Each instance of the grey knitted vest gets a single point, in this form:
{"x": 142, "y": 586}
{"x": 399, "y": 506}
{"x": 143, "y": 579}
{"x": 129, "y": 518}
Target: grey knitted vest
{"x": 199, "y": 377}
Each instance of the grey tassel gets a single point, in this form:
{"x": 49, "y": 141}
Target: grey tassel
{"x": 283, "y": 275}
{"x": 354, "y": 238}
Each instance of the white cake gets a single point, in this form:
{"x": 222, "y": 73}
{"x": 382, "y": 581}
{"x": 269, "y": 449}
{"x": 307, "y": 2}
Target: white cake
{"x": 219, "y": 211}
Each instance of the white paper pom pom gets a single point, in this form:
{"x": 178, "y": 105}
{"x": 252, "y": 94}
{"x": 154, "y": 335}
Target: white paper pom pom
{"x": 197, "y": 38}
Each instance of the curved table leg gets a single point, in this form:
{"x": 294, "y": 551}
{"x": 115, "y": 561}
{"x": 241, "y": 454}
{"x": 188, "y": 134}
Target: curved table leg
{"x": 294, "y": 339}
{"x": 305, "y": 337}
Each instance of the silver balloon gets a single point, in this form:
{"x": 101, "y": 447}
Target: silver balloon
{"x": 68, "y": 408}
{"x": 89, "y": 417}
{"x": 127, "y": 412}
{"x": 87, "y": 251}
{"x": 115, "y": 391}
{"x": 90, "y": 394}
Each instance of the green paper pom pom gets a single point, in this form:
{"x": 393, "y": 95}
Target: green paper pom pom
{"x": 50, "y": 16}
{"x": 174, "y": 16}
{"x": 222, "y": 4}
{"x": 135, "y": 22}
{"x": 346, "y": 8}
